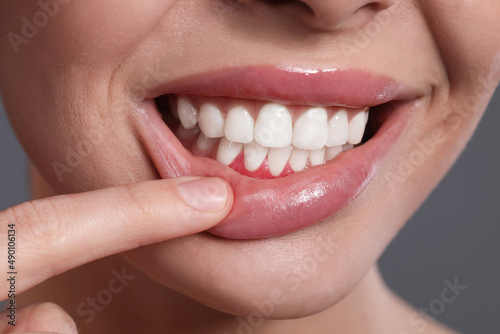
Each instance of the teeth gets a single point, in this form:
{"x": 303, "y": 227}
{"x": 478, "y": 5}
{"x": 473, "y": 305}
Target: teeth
{"x": 310, "y": 130}
{"x": 357, "y": 127}
{"x": 298, "y": 159}
{"x": 228, "y": 151}
{"x": 239, "y": 126}
{"x": 188, "y": 114}
{"x": 277, "y": 159}
{"x": 211, "y": 121}
{"x": 255, "y": 155}
{"x": 203, "y": 143}
{"x": 312, "y": 140}
{"x": 332, "y": 152}
{"x": 274, "y": 126}
{"x": 317, "y": 157}
{"x": 338, "y": 129}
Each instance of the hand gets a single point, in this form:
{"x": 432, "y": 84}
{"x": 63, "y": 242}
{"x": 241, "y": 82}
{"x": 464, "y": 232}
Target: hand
{"x": 51, "y": 233}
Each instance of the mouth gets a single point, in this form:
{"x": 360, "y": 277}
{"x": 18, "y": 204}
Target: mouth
{"x": 296, "y": 145}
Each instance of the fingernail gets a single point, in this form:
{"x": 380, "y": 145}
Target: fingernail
{"x": 205, "y": 194}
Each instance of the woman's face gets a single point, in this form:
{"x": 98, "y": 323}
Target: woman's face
{"x": 79, "y": 81}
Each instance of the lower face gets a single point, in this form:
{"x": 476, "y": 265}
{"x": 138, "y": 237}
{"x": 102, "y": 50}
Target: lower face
{"x": 330, "y": 138}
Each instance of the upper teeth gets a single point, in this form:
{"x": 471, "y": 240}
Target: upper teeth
{"x": 274, "y": 126}
{"x": 270, "y": 130}
{"x": 210, "y": 119}
{"x": 187, "y": 112}
{"x": 310, "y": 131}
{"x": 239, "y": 125}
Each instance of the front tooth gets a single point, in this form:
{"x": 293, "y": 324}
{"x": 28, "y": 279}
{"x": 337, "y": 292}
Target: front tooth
{"x": 317, "y": 157}
{"x": 239, "y": 125}
{"x": 298, "y": 159}
{"x": 338, "y": 129}
{"x": 357, "y": 127}
{"x": 188, "y": 114}
{"x": 203, "y": 143}
{"x": 211, "y": 121}
{"x": 228, "y": 151}
{"x": 274, "y": 126}
{"x": 332, "y": 152}
{"x": 310, "y": 130}
{"x": 277, "y": 159}
{"x": 255, "y": 155}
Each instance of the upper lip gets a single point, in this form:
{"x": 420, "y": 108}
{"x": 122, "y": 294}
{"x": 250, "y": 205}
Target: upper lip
{"x": 289, "y": 85}
{"x": 264, "y": 208}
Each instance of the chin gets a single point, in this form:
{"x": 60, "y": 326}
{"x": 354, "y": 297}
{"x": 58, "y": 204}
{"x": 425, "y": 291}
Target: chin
{"x": 286, "y": 277}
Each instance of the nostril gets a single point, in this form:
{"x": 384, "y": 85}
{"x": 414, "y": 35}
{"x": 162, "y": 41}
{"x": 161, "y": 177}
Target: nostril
{"x": 292, "y": 3}
{"x": 374, "y": 7}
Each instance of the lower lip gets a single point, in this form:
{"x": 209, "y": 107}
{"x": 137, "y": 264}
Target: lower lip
{"x": 267, "y": 208}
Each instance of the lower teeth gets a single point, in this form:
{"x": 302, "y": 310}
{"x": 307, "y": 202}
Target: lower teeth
{"x": 255, "y": 156}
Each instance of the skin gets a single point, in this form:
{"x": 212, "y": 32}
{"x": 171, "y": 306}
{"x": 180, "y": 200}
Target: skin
{"x": 78, "y": 82}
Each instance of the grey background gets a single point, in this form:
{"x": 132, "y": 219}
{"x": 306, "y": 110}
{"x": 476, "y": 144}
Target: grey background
{"x": 454, "y": 235}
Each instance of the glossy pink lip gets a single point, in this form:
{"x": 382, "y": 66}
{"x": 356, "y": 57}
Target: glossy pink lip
{"x": 266, "y": 208}
{"x": 293, "y": 86}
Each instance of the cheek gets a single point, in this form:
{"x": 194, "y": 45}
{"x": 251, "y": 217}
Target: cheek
{"x": 78, "y": 27}
{"x": 466, "y": 32}
{"x": 98, "y": 29}
{"x": 77, "y": 50}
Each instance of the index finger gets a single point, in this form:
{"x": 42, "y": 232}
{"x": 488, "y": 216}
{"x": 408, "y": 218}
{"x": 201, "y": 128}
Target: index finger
{"x": 59, "y": 233}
